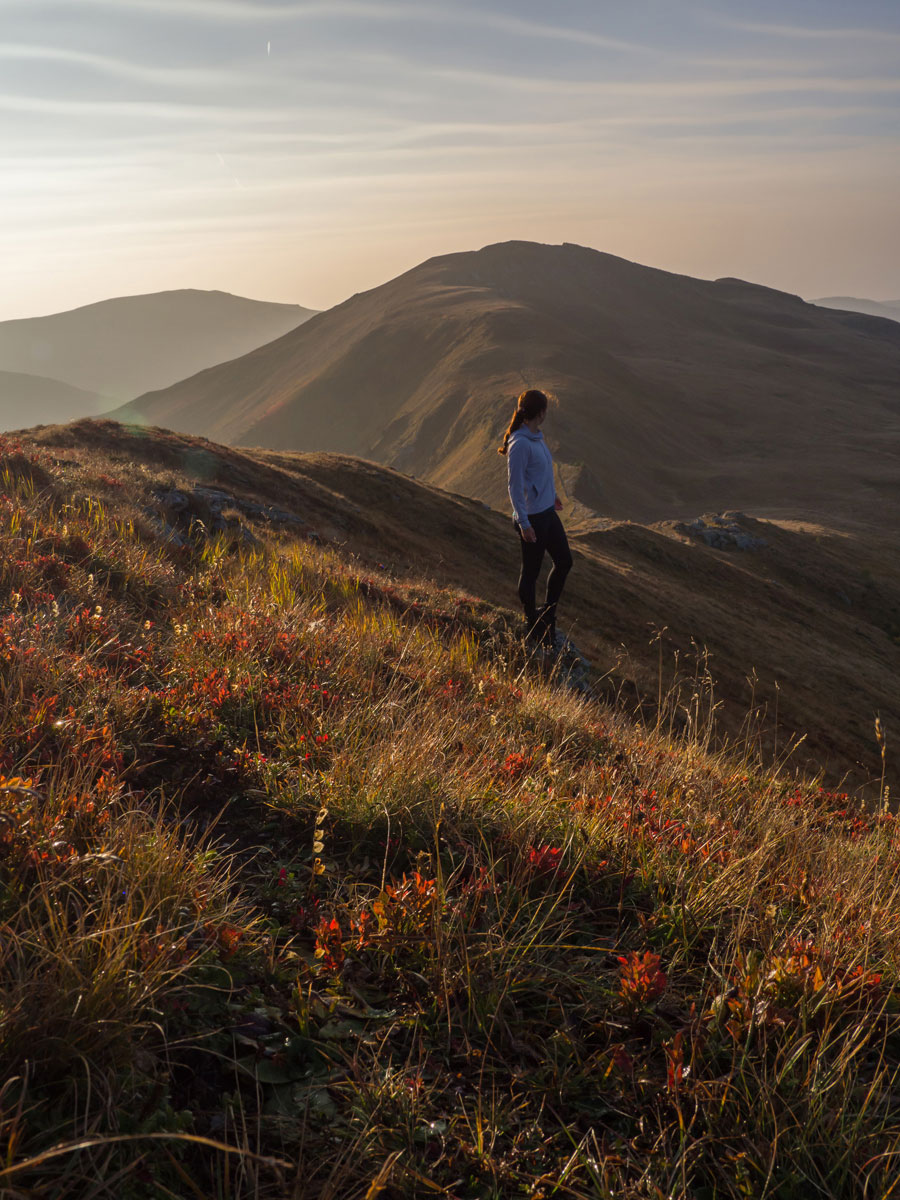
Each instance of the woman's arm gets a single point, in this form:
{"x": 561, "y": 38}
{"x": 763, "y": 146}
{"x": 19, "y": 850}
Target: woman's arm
{"x": 516, "y": 461}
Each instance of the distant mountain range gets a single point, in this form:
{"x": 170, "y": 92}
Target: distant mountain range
{"x": 35, "y": 400}
{"x": 676, "y": 394}
{"x": 873, "y": 308}
{"x": 119, "y": 348}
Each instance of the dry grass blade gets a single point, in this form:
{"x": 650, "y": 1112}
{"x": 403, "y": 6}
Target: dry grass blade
{"x": 38, "y": 1160}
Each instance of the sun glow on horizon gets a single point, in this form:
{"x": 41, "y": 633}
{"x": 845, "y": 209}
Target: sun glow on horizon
{"x": 304, "y": 151}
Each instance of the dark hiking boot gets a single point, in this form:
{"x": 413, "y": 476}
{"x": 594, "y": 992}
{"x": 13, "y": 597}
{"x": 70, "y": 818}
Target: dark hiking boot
{"x": 546, "y": 626}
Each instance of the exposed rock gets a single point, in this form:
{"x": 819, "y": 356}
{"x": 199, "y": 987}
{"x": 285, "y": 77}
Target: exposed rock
{"x": 213, "y": 496}
{"x": 172, "y": 499}
{"x": 164, "y": 530}
{"x": 722, "y": 531}
{"x": 285, "y": 518}
{"x": 574, "y": 668}
{"x": 201, "y": 513}
{"x": 565, "y": 664}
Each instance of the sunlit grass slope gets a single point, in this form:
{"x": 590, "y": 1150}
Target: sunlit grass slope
{"x": 312, "y": 886}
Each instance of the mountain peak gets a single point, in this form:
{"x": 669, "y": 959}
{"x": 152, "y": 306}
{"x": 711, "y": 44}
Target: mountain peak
{"x": 678, "y": 395}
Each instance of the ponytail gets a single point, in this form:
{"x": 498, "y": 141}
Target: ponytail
{"x": 530, "y": 405}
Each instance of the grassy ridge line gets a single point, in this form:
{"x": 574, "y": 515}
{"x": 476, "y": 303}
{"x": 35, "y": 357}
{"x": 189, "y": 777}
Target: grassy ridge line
{"x": 450, "y": 930}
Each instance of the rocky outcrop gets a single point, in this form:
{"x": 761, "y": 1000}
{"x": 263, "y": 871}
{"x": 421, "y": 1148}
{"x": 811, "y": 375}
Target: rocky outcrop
{"x": 181, "y": 516}
{"x": 722, "y": 532}
{"x": 564, "y": 663}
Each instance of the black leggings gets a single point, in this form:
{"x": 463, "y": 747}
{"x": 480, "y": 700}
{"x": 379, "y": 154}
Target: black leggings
{"x": 551, "y": 537}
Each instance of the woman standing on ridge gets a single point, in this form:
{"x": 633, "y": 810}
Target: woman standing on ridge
{"x": 535, "y": 513}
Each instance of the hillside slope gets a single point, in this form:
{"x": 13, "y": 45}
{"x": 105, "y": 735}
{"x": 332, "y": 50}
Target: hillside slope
{"x": 34, "y": 400}
{"x": 676, "y": 394}
{"x": 313, "y": 884}
{"x": 130, "y": 344}
{"x": 813, "y": 614}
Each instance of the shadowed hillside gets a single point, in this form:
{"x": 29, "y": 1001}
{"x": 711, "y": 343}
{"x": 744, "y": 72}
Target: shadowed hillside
{"x": 127, "y": 345}
{"x": 677, "y": 395}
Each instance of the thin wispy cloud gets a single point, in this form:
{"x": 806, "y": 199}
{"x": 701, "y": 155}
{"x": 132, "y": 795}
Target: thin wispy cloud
{"x": 671, "y": 89}
{"x": 710, "y": 88}
{"x": 211, "y": 10}
{"x": 873, "y": 36}
{"x": 147, "y": 110}
{"x": 373, "y": 10}
{"x": 162, "y": 77}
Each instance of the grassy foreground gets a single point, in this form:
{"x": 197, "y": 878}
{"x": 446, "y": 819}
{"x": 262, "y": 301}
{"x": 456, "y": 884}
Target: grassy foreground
{"x": 312, "y": 887}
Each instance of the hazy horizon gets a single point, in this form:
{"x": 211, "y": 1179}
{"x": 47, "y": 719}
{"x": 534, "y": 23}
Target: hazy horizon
{"x": 304, "y": 150}
{"x": 269, "y": 300}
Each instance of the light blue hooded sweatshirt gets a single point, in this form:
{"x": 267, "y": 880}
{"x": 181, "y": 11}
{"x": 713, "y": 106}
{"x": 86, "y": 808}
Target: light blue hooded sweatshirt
{"x": 530, "y": 466}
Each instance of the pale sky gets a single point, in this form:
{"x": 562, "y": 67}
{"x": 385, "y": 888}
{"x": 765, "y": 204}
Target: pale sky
{"x": 303, "y": 150}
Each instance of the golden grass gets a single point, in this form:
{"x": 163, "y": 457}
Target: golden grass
{"x": 313, "y": 886}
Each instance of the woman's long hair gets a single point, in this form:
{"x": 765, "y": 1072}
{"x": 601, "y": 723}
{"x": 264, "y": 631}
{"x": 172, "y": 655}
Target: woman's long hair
{"x": 529, "y": 405}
